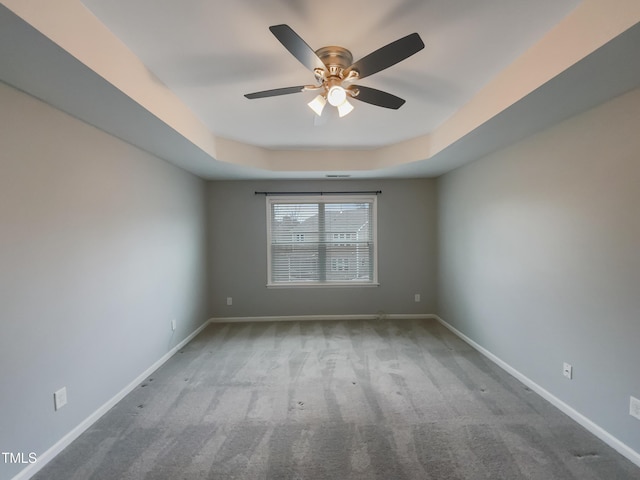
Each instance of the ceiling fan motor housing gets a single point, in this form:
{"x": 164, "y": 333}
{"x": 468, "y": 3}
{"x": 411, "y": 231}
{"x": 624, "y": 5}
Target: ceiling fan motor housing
{"x": 337, "y": 59}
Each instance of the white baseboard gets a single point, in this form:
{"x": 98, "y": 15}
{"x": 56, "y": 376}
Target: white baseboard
{"x": 302, "y": 318}
{"x": 64, "y": 442}
{"x": 598, "y": 431}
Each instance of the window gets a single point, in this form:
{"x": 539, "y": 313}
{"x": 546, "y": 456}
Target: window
{"x": 326, "y": 240}
{"x": 340, "y": 265}
{"x": 342, "y": 236}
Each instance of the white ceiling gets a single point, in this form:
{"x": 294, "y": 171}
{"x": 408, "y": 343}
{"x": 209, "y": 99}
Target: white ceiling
{"x": 169, "y": 77}
{"x": 210, "y": 53}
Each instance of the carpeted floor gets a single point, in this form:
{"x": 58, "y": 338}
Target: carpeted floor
{"x": 388, "y": 400}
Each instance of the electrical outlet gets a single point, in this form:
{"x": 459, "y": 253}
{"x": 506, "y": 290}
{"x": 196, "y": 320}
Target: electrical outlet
{"x": 173, "y": 324}
{"x": 416, "y": 297}
{"x": 634, "y": 407}
{"x": 229, "y": 301}
{"x": 567, "y": 370}
{"x": 60, "y": 398}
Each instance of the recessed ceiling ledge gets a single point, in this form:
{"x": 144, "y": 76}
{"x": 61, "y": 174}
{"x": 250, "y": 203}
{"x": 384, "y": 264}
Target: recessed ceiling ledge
{"x": 76, "y": 30}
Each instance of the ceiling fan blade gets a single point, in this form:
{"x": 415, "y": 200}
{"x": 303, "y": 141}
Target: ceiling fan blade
{"x": 377, "y": 97}
{"x": 275, "y": 92}
{"x": 297, "y": 47}
{"x": 387, "y": 56}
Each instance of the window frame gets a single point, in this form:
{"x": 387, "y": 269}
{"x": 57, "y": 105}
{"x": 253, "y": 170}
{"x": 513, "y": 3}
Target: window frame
{"x": 277, "y": 199}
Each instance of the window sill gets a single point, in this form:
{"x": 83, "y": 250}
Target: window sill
{"x": 323, "y": 285}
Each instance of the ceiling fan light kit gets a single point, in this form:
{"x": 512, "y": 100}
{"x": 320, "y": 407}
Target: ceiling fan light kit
{"x": 337, "y": 97}
{"x": 335, "y": 71}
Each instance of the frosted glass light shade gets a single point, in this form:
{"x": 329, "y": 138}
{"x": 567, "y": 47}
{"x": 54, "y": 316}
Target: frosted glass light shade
{"x": 345, "y": 108}
{"x": 317, "y": 104}
{"x": 336, "y": 96}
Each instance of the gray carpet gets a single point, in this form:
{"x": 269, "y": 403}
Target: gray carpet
{"x": 387, "y": 400}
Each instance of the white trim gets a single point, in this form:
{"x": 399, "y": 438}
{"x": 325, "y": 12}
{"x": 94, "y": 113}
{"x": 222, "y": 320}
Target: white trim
{"x": 65, "y": 441}
{"x": 304, "y": 318}
{"x": 323, "y": 285}
{"x": 595, "y": 429}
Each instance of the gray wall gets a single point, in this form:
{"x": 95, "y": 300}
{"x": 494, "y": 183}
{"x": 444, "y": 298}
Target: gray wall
{"x": 540, "y": 259}
{"x": 406, "y": 240}
{"x": 101, "y": 245}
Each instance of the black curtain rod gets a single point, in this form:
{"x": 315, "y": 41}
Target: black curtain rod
{"x": 370, "y": 192}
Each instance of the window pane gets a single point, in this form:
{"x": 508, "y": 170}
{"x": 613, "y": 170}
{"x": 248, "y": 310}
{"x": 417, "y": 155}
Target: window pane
{"x": 321, "y": 241}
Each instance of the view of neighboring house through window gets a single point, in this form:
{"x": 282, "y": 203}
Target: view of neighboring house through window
{"x": 321, "y": 240}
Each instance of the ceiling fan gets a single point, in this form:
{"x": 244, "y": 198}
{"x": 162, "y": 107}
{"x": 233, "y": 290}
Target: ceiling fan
{"x": 336, "y": 73}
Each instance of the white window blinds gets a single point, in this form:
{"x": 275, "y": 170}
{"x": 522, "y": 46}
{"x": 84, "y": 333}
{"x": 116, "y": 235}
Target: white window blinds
{"x": 321, "y": 240}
